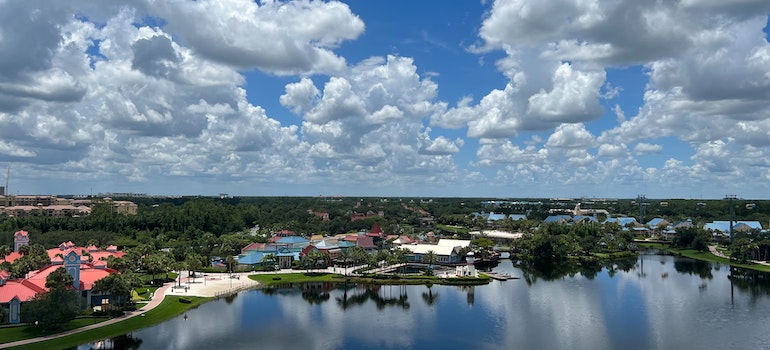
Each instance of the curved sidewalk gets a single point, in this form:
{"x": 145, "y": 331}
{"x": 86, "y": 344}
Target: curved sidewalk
{"x": 157, "y": 298}
{"x": 713, "y": 250}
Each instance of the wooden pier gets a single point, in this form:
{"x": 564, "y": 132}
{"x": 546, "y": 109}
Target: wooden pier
{"x": 499, "y": 276}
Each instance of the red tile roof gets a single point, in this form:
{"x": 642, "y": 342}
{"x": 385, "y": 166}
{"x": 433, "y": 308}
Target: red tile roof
{"x": 15, "y": 288}
{"x": 252, "y": 246}
{"x": 11, "y": 257}
{"x": 365, "y": 242}
{"x": 21, "y": 232}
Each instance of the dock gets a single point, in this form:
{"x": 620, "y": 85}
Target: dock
{"x": 499, "y": 276}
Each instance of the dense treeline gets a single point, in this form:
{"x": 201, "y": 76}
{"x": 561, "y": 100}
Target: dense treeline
{"x": 555, "y": 243}
{"x": 212, "y": 226}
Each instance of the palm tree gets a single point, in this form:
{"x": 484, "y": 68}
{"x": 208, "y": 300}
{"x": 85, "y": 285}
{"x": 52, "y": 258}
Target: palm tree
{"x": 270, "y": 259}
{"x": 230, "y": 263}
{"x": 344, "y": 256}
{"x": 430, "y": 258}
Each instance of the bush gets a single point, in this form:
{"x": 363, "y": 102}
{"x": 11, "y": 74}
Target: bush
{"x": 115, "y": 312}
{"x": 185, "y": 301}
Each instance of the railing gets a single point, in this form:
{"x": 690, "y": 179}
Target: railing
{"x": 231, "y": 291}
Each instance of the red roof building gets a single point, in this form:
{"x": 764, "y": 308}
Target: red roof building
{"x": 376, "y": 231}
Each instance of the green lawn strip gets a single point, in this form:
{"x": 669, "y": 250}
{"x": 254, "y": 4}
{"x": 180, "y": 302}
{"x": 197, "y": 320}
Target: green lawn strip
{"x": 142, "y": 293}
{"x": 18, "y": 332}
{"x": 613, "y": 255}
{"x": 170, "y": 307}
{"x": 654, "y": 245}
{"x": 299, "y": 277}
{"x": 452, "y": 229}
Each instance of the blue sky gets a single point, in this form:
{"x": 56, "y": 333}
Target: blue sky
{"x": 514, "y": 98}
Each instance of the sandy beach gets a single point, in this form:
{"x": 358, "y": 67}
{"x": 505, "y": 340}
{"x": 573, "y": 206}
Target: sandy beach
{"x": 211, "y": 284}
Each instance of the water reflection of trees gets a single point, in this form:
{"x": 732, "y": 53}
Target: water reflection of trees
{"x": 694, "y": 267}
{"x": 430, "y": 298}
{"x": 549, "y": 271}
{"x": 317, "y": 292}
{"x": 755, "y": 283}
{"x": 230, "y": 298}
{"x": 123, "y": 342}
{"x": 366, "y": 293}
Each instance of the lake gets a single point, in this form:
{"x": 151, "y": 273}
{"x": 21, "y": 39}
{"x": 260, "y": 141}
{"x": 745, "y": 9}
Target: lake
{"x": 652, "y": 302}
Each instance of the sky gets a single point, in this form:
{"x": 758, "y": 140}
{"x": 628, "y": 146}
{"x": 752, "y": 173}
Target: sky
{"x": 432, "y": 98}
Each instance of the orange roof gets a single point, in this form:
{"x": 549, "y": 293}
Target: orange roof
{"x": 253, "y": 246}
{"x": 11, "y": 257}
{"x": 21, "y": 232}
{"x": 96, "y": 255}
{"x": 89, "y": 276}
{"x": 15, "y": 288}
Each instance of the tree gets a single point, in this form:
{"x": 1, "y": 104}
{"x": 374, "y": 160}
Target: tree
{"x": 382, "y": 255}
{"x": 430, "y": 258}
{"x": 194, "y": 262}
{"x": 230, "y": 263}
{"x": 4, "y": 251}
{"x": 157, "y": 263}
{"x": 358, "y": 255}
{"x": 35, "y": 258}
{"x": 57, "y": 306}
{"x": 117, "y": 286}
{"x": 119, "y": 264}
{"x": 270, "y": 259}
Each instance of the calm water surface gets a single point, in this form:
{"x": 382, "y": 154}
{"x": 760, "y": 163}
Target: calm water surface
{"x": 653, "y": 302}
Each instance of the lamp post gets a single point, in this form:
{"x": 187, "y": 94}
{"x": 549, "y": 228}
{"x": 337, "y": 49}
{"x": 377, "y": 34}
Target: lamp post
{"x": 730, "y": 198}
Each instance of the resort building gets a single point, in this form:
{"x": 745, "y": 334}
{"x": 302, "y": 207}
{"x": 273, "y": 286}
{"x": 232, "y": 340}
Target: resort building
{"x": 52, "y": 206}
{"x": 447, "y": 251}
{"x": 85, "y": 265}
{"x": 722, "y": 228}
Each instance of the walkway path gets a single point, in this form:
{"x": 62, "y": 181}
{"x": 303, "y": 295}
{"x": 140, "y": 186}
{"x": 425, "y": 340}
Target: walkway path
{"x": 713, "y": 250}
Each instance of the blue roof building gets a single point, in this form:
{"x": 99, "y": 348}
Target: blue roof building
{"x": 558, "y": 219}
{"x": 293, "y": 241}
{"x": 579, "y": 218}
{"x": 739, "y": 226}
{"x": 623, "y": 221}
{"x": 495, "y": 217}
{"x": 657, "y": 222}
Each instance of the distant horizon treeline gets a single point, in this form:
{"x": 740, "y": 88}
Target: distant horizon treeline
{"x": 209, "y": 224}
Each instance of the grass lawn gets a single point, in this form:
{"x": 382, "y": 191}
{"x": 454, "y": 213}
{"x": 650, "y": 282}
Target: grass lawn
{"x": 270, "y": 279}
{"x": 18, "y": 332}
{"x": 452, "y": 229}
{"x": 142, "y": 293}
{"x": 170, "y": 307}
{"x": 299, "y": 277}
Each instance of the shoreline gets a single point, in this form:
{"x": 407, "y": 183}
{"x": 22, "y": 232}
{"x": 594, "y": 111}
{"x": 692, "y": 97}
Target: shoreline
{"x": 708, "y": 256}
{"x": 208, "y": 287}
